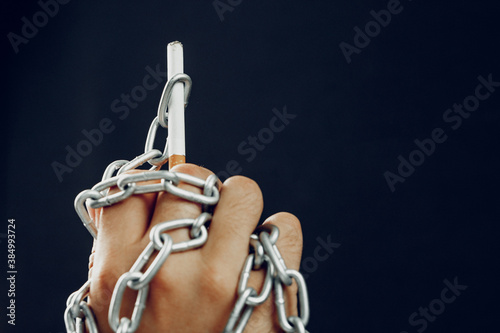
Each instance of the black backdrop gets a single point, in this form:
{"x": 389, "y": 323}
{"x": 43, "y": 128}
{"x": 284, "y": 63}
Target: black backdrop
{"x": 390, "y": 252}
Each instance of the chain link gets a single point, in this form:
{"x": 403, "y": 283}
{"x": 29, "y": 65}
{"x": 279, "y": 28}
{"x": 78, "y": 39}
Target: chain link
{"x": 116, "y": 301}
{"x": 263, "y": 252}
{"x": 268, "y": 280}
{"x": 150, "y": 140}
{"x": 167, "y": 94}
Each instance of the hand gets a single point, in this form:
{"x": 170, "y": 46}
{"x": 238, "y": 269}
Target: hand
{"x": 194, "y": 291}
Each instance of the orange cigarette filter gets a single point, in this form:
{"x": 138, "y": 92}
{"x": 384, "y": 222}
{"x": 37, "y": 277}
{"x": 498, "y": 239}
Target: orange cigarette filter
{"x": 175, "y": 160}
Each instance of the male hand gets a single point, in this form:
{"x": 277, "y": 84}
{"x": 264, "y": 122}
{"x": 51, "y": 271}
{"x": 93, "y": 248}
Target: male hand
{"x": 195, "y": 290}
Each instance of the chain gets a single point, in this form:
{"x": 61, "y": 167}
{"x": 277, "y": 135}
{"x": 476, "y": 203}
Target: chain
{"x": 263, "y": 252}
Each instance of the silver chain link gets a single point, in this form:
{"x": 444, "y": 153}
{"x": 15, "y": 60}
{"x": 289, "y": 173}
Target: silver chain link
{"x": 264, "y": 253}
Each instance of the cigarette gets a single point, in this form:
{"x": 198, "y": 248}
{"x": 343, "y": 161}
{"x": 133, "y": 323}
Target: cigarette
{"x": 176, "y": 136}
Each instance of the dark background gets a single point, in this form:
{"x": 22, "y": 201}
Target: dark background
{"x": 327, "y": 166}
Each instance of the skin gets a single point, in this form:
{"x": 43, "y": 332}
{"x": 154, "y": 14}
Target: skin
{"x": 194, "y": 291}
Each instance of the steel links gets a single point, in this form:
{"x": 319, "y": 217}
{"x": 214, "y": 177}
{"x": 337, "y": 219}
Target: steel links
{"x": 116, "y": 301}
{"x": 155, "y": 266}
{"x": 209, "y": 190}
{"x": 127, "y": 183}
{"x": 258, "y": 250}
{"x": 199, "y": 223}
{"x": 124, "y": 326}
{"x": 150, "y": 140}
{"x": 176, "y": 224}
{"x": 75, "y": 298}
{"x": 298, "y": 325}
{"x": 263, "y": 252}
{"x": 167, "y": 93}
{"x": 191, "y": 196}
{"x": 303, "y": 301}
{"x": 128, "y": 179}
{"x": 80, "y": 200}
{"x": 77, "y": 310}
{"x": 78, "y": 313}
{"x": 272, "y": 251}
{"x": 111, "y": 199}
{"x": 263, "y": 246}
{"x": 140, "y": 160}
{"x": 268, "y": 280}
{"x": 241, "y": 313}
{"x": 89, "y": 318}
{"x": 112, "y": 168}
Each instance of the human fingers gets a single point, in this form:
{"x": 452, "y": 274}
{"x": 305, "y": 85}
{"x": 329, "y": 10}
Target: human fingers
{"x": 121, "y": 228}
{"x": 264, "y": 318}
{"x": 126, "y": 222}
{"x": 171, "y": 207}
{"x": 235, "y": 218}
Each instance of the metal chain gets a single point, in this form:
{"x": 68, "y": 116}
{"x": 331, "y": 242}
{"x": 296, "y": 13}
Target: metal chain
{"x": 263, "y": 250}
{"x": 264, "y": 253}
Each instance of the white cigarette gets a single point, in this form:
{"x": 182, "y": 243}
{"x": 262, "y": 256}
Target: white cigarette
{"x": 176, "y": 136}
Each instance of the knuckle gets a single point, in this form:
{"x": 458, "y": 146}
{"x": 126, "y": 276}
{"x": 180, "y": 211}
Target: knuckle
{"x": 101, "y": 289}
{"x": 162, "y": 284}
{"x": 177, "y": 207}
{"x": 190, "y": 169}
{"x": 186, "y": 168}
{"x": 116, "y": 189}
{"x": 166, "y": 282}
{"x": 216, "y": 286}
{"x": 170, "y": 280}
{"x": 247, "y": 188}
